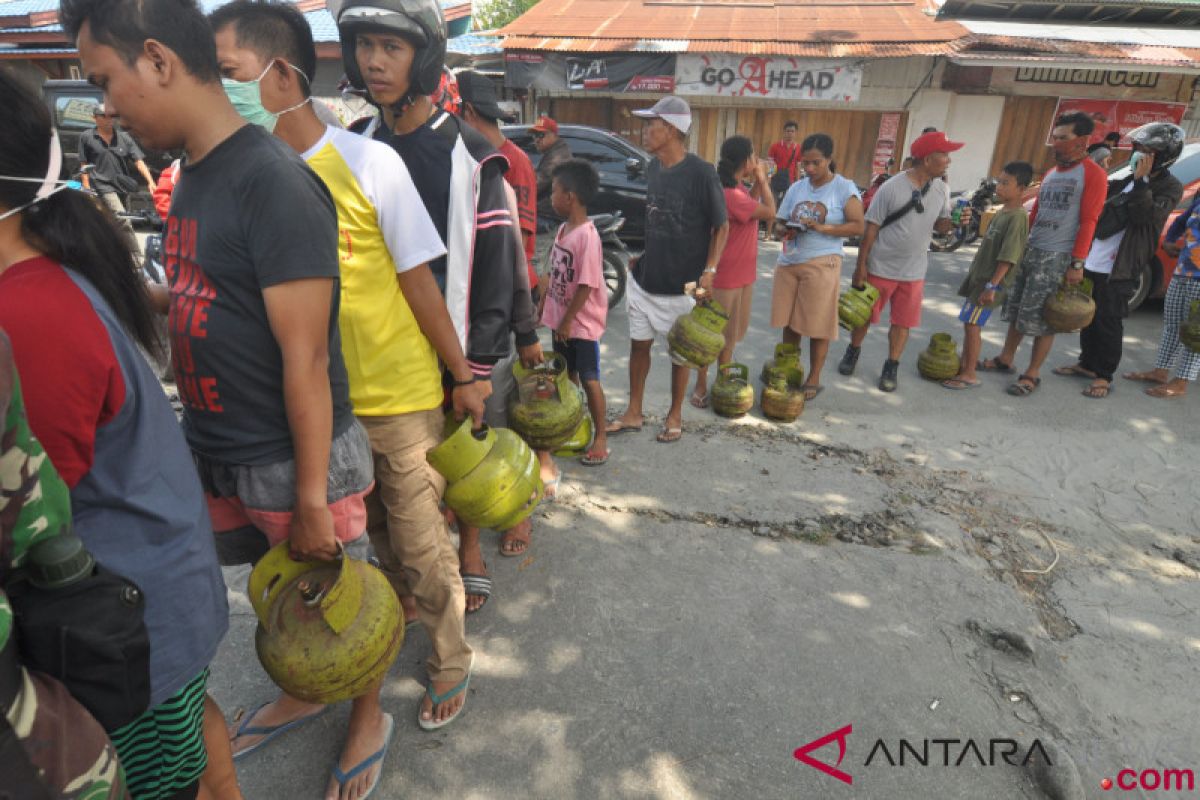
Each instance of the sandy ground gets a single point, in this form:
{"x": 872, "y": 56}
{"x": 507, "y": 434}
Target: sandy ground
{"x": 691, "y": 614}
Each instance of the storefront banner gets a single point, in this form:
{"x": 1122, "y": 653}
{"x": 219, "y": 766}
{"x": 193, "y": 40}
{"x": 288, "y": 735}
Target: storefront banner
{"x": 885, "y": 143}
{"x": 1118, "y": 115}
{"x": 607, "y": 73}
{"x": 772, "y": 78}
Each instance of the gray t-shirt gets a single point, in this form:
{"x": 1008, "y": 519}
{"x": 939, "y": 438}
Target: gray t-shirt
{"x": 901, "y": 251}
{"x": 1057, "y": 220}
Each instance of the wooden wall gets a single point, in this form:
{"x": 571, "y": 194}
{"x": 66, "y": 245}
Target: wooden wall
{"x": 854, "y": 132}
{"x": 1023, "y": 129}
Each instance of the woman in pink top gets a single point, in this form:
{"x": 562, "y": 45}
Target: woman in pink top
{"x": 733, "y": 286}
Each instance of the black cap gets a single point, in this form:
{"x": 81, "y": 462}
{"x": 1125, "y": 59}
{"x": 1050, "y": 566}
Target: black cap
{"x": 480, "y": 92}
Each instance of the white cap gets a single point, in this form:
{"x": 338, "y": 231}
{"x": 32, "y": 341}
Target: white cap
{"x": 673, "y": 110}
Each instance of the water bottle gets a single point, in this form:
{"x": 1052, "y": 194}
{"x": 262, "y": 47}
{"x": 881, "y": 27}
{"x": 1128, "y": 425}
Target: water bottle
{"x": 956, "y": 212}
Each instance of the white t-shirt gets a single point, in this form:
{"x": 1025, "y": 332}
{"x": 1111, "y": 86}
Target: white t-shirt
{"x": 1103, "y": 254}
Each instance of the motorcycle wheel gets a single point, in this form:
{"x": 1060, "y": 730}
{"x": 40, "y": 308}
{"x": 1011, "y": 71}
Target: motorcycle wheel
{"x": 615, "y": 275}
{"x": 945, "y": 242}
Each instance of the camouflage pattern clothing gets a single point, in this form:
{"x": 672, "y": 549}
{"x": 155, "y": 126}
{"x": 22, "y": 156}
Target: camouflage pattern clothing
{"x": 1039, "y": 276}
{"x": 59, "y": 749}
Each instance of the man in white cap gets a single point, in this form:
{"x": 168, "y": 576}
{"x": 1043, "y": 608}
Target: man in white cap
{"x": 686, "y": 228}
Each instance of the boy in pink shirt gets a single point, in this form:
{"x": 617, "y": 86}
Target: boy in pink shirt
{"x": 575, "y": 304}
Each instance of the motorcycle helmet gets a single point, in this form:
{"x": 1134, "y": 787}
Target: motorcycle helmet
{"x": 419, "y": 21}
{"x": 1165, "y": 139}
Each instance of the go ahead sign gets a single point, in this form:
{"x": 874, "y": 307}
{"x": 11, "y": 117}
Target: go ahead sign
{"x": 776, "y": 78}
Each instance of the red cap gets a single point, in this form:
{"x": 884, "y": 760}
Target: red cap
{"x": 545, "y": 124}
{"x": 932, "y": 142}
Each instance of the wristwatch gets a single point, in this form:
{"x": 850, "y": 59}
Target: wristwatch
{"x": 1077, "y": 264}
{"x": 990, "y": 287}
{"x": 712, "y": 270}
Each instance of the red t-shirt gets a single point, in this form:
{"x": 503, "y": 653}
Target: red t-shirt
{"x": 786, "y": 156}
{"x": 70, "y": 376}
{"x": 521, "y": 178}
{"x": 738, "y": 266}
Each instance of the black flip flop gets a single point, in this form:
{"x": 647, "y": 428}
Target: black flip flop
{"x": 999, "y": 366}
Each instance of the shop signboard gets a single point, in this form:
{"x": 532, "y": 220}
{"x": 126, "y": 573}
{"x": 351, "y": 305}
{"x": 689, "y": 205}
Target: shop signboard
{"x": 606, "y": 73}
{"x": 1118, "y": 115}
{"x": 767, "y": 77}
{"x": 885, "y": 143}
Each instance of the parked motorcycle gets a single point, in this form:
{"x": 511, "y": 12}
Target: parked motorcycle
{"x": 616, "y": 254}
{"x": 965, "y": 232}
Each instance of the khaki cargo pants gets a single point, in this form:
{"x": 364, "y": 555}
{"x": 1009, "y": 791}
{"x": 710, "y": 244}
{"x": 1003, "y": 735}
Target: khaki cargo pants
{"x": 410, "y": 536}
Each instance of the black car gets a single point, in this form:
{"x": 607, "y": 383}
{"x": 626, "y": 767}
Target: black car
{"x": 71, "y": 103}
{"x": 621, "y": 165}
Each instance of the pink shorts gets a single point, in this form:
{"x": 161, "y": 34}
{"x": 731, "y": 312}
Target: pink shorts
{"x": 905, "y": 297}
{"x": 230, "y": 513}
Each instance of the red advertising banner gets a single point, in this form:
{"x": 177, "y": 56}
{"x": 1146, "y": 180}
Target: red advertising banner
{"x": 885, "y": 143}
{"x": 1119, "y": 115}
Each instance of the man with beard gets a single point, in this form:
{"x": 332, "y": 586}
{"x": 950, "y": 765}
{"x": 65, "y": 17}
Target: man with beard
{"x": 1061, "y": 227}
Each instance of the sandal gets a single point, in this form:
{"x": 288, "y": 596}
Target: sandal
{"x": 959, "y": 384}
{"x": 699, "y": 401}
{"x": 1164, "y": 392}
{"x": 1075, "y": 371}
{"x": 269, "y": 732}
{"x": 996, "y": 366}
{"x": 438, "y": 699}
{"x": 591, "y": 459}
{"x": 342, "y": 778}
{"x": 521, "y": 545}
{"x": 617, "y": 426}
{"x": 1098, "y": 391}
{"x": 1023, "y": 389}
{"x": 670, "y": 435}
{"x": 811, "y": 391}
{"x": 550, "y": 489}
{"x": 1142, "y": 377}
{"x": 478, "y": 586}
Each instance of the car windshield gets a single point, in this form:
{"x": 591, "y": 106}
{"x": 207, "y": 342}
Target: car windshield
{"x": 1186, "y": 168}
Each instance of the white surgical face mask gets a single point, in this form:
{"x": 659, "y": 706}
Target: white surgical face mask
{"x": 246, "y": 97}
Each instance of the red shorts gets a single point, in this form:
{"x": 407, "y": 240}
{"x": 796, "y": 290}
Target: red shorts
{"x": 905, "y": 297}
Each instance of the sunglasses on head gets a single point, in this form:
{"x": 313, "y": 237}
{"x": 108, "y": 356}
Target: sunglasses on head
{"x": 916, "y": 201}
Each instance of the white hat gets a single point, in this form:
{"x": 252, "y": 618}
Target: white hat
{"x": 673, "y": 110}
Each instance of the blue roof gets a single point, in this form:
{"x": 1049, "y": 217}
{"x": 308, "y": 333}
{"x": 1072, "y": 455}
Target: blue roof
{"x": 470, "y": 44}
{"x": 17, "y": 8}
{"x": 324, "y": 29}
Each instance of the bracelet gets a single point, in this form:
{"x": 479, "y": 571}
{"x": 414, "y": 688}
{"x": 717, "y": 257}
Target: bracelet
{"x": 991, "y": 287}
{"x": 456, "y": 383}
{"x": 711, "y": 270}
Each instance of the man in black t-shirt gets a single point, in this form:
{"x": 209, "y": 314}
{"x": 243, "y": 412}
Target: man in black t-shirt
{"x": 686, "y": 229}
{"x": 251, "y": 256}
{"x": 109, "y": 151}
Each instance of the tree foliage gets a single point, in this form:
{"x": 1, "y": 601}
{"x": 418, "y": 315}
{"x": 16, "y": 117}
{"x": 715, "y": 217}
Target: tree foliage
{"x": 493, "y": 14}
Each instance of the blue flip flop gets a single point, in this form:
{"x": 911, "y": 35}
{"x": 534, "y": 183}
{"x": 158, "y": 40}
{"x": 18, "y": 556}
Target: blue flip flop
{"x": 269, "y": 732}
{"x": 343, "y": 777}
{"x": 438, "y": 699}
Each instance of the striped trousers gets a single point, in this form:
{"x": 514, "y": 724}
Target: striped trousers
{"x": 1180, "y": 295}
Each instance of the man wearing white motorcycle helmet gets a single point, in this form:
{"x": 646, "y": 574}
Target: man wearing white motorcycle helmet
{"x": 1127, "y": 233}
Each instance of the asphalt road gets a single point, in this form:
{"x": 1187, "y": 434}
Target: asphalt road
{"x": 691, "y": 614}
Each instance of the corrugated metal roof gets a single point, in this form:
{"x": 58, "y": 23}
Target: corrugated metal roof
{"x": 25, "y": 52}
{"x": 324, "y": 29}
{"x": 773, "y": 48}
{"x": 1173, "y": 13}
{"x": 1180, "y": 37}
{"x": 760, "y": 23}
{"x": 38, "y": 29}
{"x": 1129, "y": 54}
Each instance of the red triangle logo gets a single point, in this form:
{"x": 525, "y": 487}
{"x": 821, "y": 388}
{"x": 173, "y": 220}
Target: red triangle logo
{"x": 802, "y": 753}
